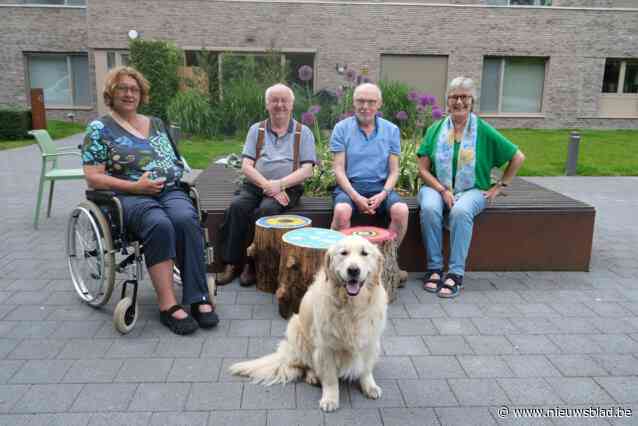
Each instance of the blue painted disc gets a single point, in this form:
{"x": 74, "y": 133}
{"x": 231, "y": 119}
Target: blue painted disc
{"x": 316, "y": 238}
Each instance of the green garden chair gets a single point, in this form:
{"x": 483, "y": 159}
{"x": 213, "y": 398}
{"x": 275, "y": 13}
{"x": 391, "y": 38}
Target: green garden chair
{"x": 50, "y": 170}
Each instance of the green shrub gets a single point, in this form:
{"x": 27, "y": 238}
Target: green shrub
{"x": 158, "y": 61}
{"x": 14, "y": 123}
{"x": 243, "y": 104}
{"x": 395, "y": 99}
{"x": 191, "y": 110}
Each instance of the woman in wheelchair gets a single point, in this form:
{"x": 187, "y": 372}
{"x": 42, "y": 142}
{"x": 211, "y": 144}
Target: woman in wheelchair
{"x": 132, "y": 155}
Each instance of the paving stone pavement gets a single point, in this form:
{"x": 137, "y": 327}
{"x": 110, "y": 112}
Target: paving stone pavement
{"x": 518, "y": 339}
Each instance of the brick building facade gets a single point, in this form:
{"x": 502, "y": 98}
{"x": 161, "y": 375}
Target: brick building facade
{"x": 571, "y": 64}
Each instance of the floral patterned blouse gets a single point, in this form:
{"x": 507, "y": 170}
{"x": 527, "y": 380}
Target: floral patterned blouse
{"x": 127, "y": 156}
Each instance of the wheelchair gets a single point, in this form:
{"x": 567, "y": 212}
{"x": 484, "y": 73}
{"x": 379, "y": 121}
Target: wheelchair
{"x": 98, "y": 248}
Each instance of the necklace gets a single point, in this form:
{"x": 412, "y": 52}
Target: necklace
{"x": 127, "y": 125}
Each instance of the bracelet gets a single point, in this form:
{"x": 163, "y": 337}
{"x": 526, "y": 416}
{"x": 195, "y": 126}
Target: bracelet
{"x": 387, "y": 191}
{"x": 503, "y": 184}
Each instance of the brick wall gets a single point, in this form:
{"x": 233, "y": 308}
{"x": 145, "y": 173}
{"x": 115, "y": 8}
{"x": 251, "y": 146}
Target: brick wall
{"x": 576, "y": 41}
{"x": 32, "y": 30}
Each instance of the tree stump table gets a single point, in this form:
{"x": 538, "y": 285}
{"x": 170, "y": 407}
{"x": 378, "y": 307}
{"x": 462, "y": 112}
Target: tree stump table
{"x": 302, "y": 253}
{"x": 386, "y": 241}
{"x": 266, "y": 247}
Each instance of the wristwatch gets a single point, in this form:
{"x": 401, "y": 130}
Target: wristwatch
{"x": 503, "y": 184}
{"x": 387, "y": 191}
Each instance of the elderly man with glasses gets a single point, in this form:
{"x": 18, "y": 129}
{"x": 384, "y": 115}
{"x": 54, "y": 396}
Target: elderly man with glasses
{"x": 366, "y": 152}
{"x": 279, "y": 155}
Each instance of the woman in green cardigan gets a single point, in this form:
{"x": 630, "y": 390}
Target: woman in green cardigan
{"x": 455, "y": 162}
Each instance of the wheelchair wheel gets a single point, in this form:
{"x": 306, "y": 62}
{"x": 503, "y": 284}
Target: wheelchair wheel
{"x": 90, "y": 255}
{"x": 125, "y": 315}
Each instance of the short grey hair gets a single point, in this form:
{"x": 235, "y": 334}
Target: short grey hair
{"x": 364, "y": 86}
{"x": 279, "y": 86}
{"x": 464, "y": 83}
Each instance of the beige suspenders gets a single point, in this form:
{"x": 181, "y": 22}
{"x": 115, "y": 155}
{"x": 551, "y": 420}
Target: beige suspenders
{"x": 295, "y": 148}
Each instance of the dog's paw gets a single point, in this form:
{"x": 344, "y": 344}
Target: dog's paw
{"x": 311, "y": 377}
{"x": 372, "y": 391}
{"x": 328, "y": 404}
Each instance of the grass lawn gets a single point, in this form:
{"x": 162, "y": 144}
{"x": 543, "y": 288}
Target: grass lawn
{"x": 601, "y": 152}
{"x": 56, "y": 128}
{"x": 200, "y": 152}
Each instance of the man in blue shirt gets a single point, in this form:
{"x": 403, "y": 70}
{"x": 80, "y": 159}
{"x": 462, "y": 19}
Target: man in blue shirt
{"x": 366, "y": 152}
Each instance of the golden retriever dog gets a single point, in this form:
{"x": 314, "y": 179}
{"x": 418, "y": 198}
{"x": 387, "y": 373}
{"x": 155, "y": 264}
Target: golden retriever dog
{"x": 337, "y": 332}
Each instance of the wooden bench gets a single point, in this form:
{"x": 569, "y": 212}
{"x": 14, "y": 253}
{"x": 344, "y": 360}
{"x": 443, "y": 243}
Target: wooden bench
{"x": 529, "y": 228}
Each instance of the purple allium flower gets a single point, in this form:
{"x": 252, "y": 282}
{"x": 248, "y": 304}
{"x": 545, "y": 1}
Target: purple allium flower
{"x": 305, "y": 73}
{"x": 436, "y": 112}
{"x": 365, "y": 80}
{"x": 379, "y": 114}
{"x": 308, "y": 118}
{"x": 351, "y": 75}
{"x": 413, "y": 96}
{"x": 426, "y": 100}
{"x": 401, "y": 115}
{"x": 314, "y": 109}
{"x": 339, "y": 92}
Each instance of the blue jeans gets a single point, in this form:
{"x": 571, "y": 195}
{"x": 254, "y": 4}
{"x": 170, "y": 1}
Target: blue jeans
{"x": 461, "y": 220}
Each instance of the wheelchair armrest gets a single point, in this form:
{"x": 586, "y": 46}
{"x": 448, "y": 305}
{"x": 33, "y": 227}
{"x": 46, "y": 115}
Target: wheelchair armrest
{"x": 100, "y": 196}
{"x": 186, "y": 186}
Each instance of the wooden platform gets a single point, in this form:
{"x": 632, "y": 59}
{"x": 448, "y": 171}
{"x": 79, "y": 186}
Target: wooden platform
{"x": 529, "y": 228}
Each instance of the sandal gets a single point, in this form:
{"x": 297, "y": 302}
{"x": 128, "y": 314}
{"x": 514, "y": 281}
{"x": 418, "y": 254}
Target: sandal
{"x": 204, "y": 319}
{"x": 178, "y": 326}
{"x": 455, "y": 288}
{"x": 428, "y": 279}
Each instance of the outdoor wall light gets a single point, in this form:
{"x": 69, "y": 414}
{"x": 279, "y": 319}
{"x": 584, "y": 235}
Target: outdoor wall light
{"x": 133, "y": 34}
{"x": 340, "y": 68}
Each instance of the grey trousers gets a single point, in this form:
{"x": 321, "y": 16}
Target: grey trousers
{"x": 237, "y": 230}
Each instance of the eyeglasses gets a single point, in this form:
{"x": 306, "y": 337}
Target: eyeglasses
{"x": 123, "y": 89}
{"x": 362, "y": 102}
{"x": 463, "y": 98}
{"x": 283, "y": 101}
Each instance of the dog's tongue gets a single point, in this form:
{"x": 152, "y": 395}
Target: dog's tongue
{"x": 353, "y": 287}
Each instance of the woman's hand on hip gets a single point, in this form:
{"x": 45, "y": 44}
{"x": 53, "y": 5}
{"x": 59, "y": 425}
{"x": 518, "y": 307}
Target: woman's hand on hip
{"x": 147, "y": 186}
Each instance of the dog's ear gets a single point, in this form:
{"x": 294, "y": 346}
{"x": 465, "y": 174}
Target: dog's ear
{"x": 378, "y": 264}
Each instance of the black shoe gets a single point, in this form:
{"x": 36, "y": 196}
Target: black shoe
{"x": 204, "y": 319}
{"x": 178, "y": 326}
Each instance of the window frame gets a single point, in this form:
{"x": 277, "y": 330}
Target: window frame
{"x": 547, "y": 3}
{"x": 66, "y": 4}
{"x": 499, "y": 112}
{"x": 69, "y": 67}
{"x": 621, "y": 78}
{"x": 242, "y": 52}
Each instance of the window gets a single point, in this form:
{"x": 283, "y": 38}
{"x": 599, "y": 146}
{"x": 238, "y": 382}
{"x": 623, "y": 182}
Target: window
{"x": 261, "y": 65}
{"x": 64, "y": 78}
{"x": 621, "y": 76}
{"x": 519, "y": 2}
{"x": 116, "y": 59}
{"x": 512, "y": 85}
{"x": 57, "y": 2}
{"x": 423, "y": 73}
